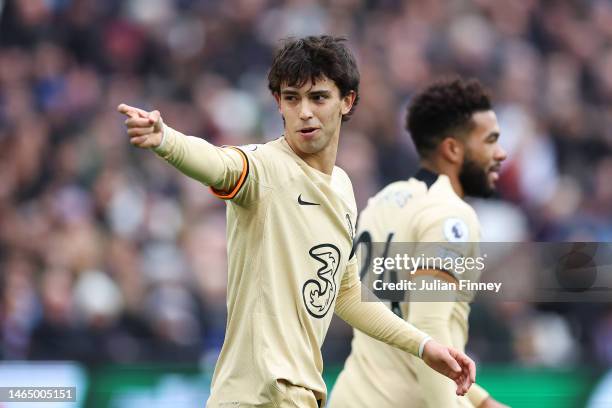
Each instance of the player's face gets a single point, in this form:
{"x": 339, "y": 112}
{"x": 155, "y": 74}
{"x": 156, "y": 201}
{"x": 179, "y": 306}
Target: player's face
{"x": 483, "y": 156}
{"x": 312, "y": 115}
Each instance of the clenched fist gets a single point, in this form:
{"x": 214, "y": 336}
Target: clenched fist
{"x": 145, "y": 129}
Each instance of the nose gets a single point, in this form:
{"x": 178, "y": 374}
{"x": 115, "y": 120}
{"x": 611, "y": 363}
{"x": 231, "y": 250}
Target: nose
{"x": 305, "y": 111}
{"x": 500, "y": 154}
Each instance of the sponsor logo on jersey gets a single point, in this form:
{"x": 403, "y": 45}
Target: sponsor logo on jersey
{"x": 319, "y": 293}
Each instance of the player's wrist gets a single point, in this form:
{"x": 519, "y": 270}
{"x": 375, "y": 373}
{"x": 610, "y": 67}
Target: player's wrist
{"x": 423, "y": 344}
{"x": 163, "y": 139}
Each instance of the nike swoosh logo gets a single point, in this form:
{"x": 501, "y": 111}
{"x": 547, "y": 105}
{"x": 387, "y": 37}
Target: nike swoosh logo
{"x": 302, "y": 202}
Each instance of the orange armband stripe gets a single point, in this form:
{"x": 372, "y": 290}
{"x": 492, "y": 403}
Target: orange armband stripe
{"x": 225, "y": 195}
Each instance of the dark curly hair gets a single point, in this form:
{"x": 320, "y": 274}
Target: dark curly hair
{"x": 311, "y": 58}
{"x": 444, "y": 109}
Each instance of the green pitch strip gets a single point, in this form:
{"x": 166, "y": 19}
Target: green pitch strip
{"x": 524, "y": 387}
{"x": 542, "y": 388}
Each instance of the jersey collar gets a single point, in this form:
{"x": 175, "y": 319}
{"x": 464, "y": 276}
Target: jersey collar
{"x": 426, "y": 176}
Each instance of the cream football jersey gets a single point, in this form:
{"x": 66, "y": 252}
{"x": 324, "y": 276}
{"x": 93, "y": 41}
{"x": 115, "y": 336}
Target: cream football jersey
{"x": 423, "y": 209}
{"x": 289, "y": 229}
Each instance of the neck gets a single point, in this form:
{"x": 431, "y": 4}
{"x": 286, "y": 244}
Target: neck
{"x": 448, "y": 170}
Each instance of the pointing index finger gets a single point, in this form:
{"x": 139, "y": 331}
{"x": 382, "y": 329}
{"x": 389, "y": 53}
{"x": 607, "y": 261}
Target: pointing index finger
{"x": 131, "y": 111}
{"x": 125, "y": 109}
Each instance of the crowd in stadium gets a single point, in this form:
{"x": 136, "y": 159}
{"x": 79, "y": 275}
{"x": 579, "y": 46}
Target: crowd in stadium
{"x": 107, "y": 254}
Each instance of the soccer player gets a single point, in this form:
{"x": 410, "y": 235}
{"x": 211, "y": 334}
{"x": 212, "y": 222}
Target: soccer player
{"x": 456, "y": 134}
{"x": 290, "y": 221}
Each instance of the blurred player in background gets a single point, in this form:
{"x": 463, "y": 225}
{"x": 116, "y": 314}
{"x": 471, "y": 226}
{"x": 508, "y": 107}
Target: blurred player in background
{"x": 290, "y": 223}
{"x": 455, "y": 132}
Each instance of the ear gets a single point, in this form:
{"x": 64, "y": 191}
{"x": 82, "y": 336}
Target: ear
{"x": 347, "y": 102}
{"x": 452, "y": 150}
{"x": 278, "y": 100}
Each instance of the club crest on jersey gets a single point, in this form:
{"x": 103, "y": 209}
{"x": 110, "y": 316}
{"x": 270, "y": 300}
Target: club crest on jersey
{"x": 455, "y": 230}
{"x": 319, "y": 293}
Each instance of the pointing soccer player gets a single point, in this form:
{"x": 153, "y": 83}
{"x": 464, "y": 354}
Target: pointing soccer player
{"x": 290, "y": 220}
{"x": 456, "y": 134}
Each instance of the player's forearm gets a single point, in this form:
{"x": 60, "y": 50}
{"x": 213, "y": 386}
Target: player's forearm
{"x": 377, "y": 321}
{"x": 198, "y": 159}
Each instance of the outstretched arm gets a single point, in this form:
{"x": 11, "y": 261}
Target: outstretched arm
{"x": 221, "y": 168}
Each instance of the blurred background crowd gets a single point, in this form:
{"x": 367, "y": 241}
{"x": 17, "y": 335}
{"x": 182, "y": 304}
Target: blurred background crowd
{"x": 107, "y": 254}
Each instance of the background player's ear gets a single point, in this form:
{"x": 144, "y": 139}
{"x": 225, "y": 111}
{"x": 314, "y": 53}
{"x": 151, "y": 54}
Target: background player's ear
{"x": 452, "y": 150}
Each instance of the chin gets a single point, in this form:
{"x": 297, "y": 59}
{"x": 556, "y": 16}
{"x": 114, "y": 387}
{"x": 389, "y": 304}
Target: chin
{"x": 302, "y": 148}
{"x": 311, "y": 146}
{"x": 491, "y": 191}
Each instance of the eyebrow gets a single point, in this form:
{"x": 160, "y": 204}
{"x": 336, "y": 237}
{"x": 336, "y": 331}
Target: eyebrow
{"x": 315, "y": 93}
{"x": 320, "y": 92}
{"x": 289, "y": 92}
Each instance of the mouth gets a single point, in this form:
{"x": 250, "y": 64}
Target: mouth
{"x": 308, "y": 132}
{"x": 494, "y": 172}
